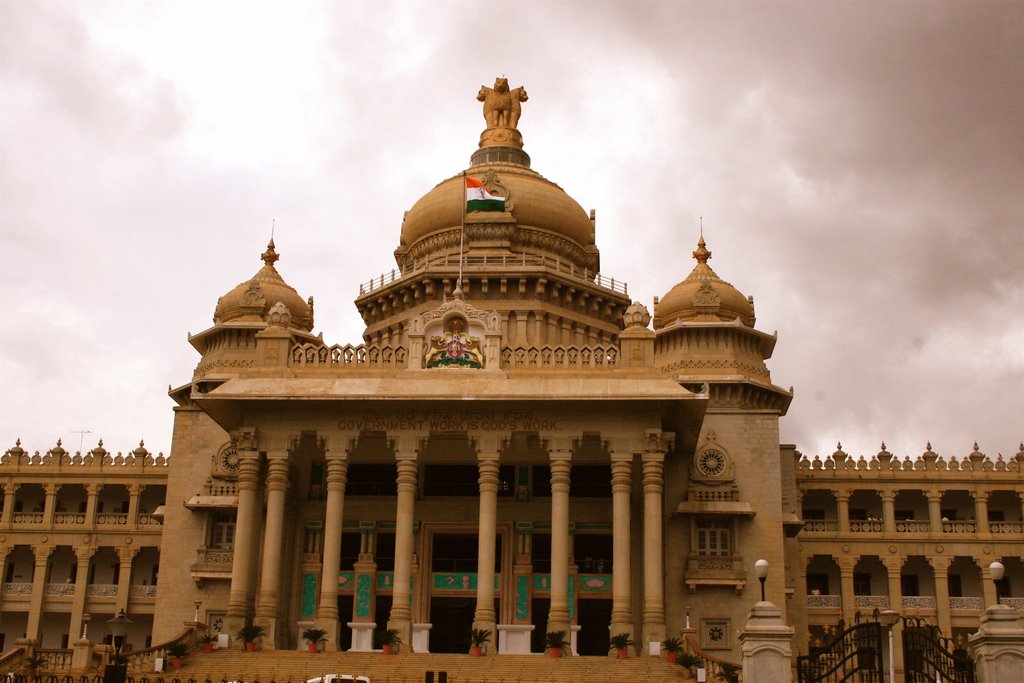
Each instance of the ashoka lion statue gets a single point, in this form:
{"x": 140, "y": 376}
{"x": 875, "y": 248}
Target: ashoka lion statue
{"x": 501, "y": 105}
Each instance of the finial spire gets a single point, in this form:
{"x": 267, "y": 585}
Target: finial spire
{"x": 270, "y": 256}
{"x": 702, "y": 254}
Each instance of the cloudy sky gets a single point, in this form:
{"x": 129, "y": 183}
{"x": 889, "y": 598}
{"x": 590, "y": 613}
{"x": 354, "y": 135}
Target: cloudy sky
{"x": 859, "y": 168}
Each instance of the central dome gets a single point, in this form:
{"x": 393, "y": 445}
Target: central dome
{"x": 534, "y": 204}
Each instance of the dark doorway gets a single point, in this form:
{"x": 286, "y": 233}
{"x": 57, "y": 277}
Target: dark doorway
{"x": 345, "y": 615}
{"x": 539, "y": 612}
{"x": 593, "y": 616}
{"x": 453, "y": 620}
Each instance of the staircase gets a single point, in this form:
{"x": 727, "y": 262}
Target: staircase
{"x": 281, "y": 666}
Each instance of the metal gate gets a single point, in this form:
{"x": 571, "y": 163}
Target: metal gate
{"x": 854, "y": 655}
{"x": 929, "y": 657}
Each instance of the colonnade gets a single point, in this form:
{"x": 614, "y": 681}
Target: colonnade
{"x": 650, "y": 447}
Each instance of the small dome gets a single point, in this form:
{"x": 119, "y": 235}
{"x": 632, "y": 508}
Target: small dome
{"x": 251, "y": 300}
{"x": 703, "y": 296}
{"x": 536, "y": 204}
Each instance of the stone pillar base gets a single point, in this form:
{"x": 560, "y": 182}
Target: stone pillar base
{"x": 331, "y": 637}
{"x": 514, "y": 639}
{"x": 997, "y": 646}
{"x": 404, "y": 627}
{"x": 269, "y": 624}
{"x": 766, "y": 644}
{"x": 81, "y": 655}
{"x": 362, "y": 635}
{"x": 421, "y": 637}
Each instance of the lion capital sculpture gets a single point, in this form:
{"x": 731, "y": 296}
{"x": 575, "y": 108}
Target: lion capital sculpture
{"x": 502, "y": 106}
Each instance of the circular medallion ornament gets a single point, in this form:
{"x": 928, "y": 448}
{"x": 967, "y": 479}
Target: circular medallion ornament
{"x": 892, "y": 549}
{"x": 229, "y": 459}
{"x": 711, "y": 463}
{"x": 939, "y": 549}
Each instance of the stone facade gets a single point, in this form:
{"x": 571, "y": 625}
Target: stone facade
{"x": 514, "y": 445}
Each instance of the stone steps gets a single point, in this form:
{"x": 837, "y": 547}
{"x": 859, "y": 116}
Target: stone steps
{"x": 281, "y": 666}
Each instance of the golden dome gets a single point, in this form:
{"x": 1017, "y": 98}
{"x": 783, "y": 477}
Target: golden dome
{"x": 703, "y": 296}
{"x": 251, "y": 300}
{"x": 536, "y": 205}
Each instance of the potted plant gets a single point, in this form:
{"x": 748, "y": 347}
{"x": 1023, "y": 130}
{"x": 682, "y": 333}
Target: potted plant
{"x": 389, "y": 640}
{"x": 477, "y": 639}
{"x": 689, "y": 663}
{"x": 313, "y": 636}
{"x": 175, "y": 652}
{"x": 207, "y": 642}
{"x": 621, "y": 642}
{"x": 34, "y": 664}
{"x": 556, "y": 643}
{"x": 728, "y": 673}
{"x": 672, "y": 647}
{"x": 249, "y": 634}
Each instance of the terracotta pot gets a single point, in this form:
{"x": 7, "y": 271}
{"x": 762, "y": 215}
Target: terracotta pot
{"x": 623, "y": 653}
{"x": 672, "y": 657}
{"x": 207, "y": 648}
{"x": 386, "y": 648}
{"x": 556, "y": 652}
{"x": 250, "y": 647}
{"x": 476, "y": 650}
{"x": 311, "y": 647}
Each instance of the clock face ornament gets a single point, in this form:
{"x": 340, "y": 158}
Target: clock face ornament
{"x": 229, "y": 459}
{"x": 711, "y": 463}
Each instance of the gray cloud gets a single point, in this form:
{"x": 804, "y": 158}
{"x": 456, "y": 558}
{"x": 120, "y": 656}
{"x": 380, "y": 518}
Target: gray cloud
{"x": 858, "y": 165}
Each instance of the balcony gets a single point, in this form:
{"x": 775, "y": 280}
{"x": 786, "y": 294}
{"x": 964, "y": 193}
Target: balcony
{"x": 139, "y": 591}
{"x": 824, "y": 525}
{"x": 869, "y": 602}
{"x": 824, "y": 601}
{"x": 866, "y": 526}
{"x": 959, "y": 527}
{"x": 968, "y": 603}
{"x": 913, "y": 526}
{"x": 68, "y": 518}
{"x": 17, "y": 589}
{"x": 918, "y": 602}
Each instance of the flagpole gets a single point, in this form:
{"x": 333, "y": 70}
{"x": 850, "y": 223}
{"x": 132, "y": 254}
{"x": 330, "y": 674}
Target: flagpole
{"x": 462, "y": 232}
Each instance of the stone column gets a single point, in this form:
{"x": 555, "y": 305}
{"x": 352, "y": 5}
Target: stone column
{"x": 125, "y": 556}
{"x": 337, "y": 478}
{"x": 981, "y": 511}
{"x": 843, "y": 509}
{"x": 849, "y": 604}
{"x": 10, "y": 491}
{"x": 940, "y": 567}
{"x": 766, "y": 644}
{"x": 893, "y": 567}
{"x": 246, "y": 520}
{"x": 82, "y": 555}
{"x": 561, "y": 467}
{"x": 622, "y": 484}
{"x": 997, "y": 646}
{"x": 401, "y": 596}
{"x": 133, "y": 503}
{"x": 273, "y": 548}
{"x": 92, "y": 494}
{"x": 935, "y": 512}
{"x": 988, "y": 588}
{"x": 50, "y": 505}
{"x": 487, "y": 462}
{"x": 654, "y": 582}
{"x": 35, "y": 610}
{"x": 889, "y": 511}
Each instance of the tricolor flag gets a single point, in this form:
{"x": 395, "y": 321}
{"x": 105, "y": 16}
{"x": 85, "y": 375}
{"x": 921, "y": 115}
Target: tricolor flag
{"x": 479, "y": 199}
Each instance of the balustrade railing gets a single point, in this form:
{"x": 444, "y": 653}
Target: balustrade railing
{"x": 312, "y": 355}
{"x": 504, "y": 261}
{"x": 102, "y": 590}
{"x": 824, "y": 601}
{"x": 65, "y": 518}
{"x": 971, "y": 603}
{"x": 960, "y": 527}
{"x": 866, "y": 526}
{"x": 112, "y": 518}
{"x": 17, "y": 588}
{"x": 554, "y": 357}
{"x": 820, "y": 525}
{"x": 869, "y": 602}
{"x": 918, "y": 602}
{"x": 1015, "y": 603}
{"x": 912, "y": 526}
{"x": 149, "y": 520}
{"x": 27, "y": 518}
{"x": 1006, "y": 527}
{"x": 59, "y": 589}
{"x": 140, "y": 591}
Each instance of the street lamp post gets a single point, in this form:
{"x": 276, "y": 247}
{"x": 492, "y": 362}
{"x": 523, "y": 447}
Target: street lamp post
{"x": 85, "y": 625}
{"x": 761, "y": 569}
{"x": 888, "y": 619}
{"x": 996, "y": 570}
{"x": 117, "y": 672}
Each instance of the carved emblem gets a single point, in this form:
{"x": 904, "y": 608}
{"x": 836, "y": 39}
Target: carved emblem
{"x": 455, "y": 348}
{"x": 502, "y": 106}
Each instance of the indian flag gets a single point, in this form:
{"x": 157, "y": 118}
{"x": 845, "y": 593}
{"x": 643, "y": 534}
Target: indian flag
{"x": 479, "y": 199}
